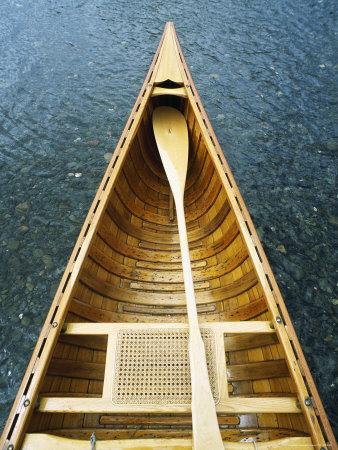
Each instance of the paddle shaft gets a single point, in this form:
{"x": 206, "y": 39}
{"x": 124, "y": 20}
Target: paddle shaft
{"x": 206, "y": 434}
{"x": 171, "y": 134}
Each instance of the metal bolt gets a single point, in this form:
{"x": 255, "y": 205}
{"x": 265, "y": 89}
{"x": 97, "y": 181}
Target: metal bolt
{"x": 26, "y": 402}
{"x": 93, "y": 441}
{"x": 308, "y": 401}
{"x": 54, "y": 324}
{"x": 10, "y": 447}
{"x": 279, "y": 319}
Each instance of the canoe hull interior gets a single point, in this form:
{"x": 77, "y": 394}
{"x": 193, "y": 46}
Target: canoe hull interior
{"x": 117, "y": 362}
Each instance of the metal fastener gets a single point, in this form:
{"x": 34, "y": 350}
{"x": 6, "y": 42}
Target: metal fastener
{"x": 308, "y": 401}
{"x": 279, "y": 319}
{"x": 93, "y": 441}
{"x": 10, "y": 447}
{"x": 26, "y": 402}
{"x": 54, "y": 324}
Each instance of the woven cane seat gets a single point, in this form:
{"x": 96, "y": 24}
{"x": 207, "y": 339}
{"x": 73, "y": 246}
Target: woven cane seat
{"x": 152, "y": 367}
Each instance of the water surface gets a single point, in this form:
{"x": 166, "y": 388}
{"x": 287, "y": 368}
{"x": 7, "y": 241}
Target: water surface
{"x": 70, "y": 71}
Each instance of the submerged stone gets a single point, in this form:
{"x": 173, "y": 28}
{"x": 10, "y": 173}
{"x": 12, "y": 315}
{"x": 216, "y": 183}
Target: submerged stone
{"x": 325, "y": 285}
{"x": 23, "y": 229}
{"x": 25, "y": 321}
{"x": 281, "y": 248}
{"x": 48, "y": 262}
{"x": 333, "y": 220}
{"x": 29, "y": 286}
{"x": 93, "y": 142}
{"x": 12, "y": 244}
{"x": 22, "y": 207}
{"x": 332, "y": 145}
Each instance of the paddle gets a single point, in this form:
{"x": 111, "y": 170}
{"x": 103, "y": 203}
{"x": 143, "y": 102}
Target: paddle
{"x": 171, "y": 135}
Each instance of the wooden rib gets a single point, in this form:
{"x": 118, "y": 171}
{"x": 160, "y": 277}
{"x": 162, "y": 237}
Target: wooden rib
{"x": 165, "y": 256}
{"x": 245, "y": 342}
{"x": 145, "y": 143}
{"x": 165, "y": 287}
{"x": 258, "y": 370}
{"x": 76, "y": 369}
{"x": 147, "y": 188}
{"x": 239, "y": 372}
{"x": 127, "y": 197}
{"x": 202, "y": 309}
{"x": 168, "y": 266}
{"x": 137, "y": 164}
{"x": 171, "y": 276}
{"x": 167, "y": 299}
{"x": 93, "y": 313}
{"x": 97, "y": 343}
{"x": 158, "y": 420}
{"x": 172, "y": 240}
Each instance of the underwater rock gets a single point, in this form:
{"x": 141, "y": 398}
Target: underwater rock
{"x": 281, "y": 248}
{"x": 22, "y": 207}
{"x": 333, "y": 220}
{"x": 324, "y": 285}
{"x": 12, "y": 244}
{"x": 25, "y": 321}
{"x": 48, "y": 262}
{"x": 93, "y": 142}
{"x": 23, "y": 229}
{"x": 29, "y": 286}
{"x": 332, "y": 145}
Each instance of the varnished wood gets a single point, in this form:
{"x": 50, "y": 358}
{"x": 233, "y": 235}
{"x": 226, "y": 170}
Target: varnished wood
{"x": 166, "y": 420}
{"x": 233, "y": 405}
{"x": 43, "y": 441}
{"x": 171, "y": 134}
{"x": 180, "y": 92}
{"x": 126, "y": 270}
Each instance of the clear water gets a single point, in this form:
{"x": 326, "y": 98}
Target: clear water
{"x": 70, "y": 71}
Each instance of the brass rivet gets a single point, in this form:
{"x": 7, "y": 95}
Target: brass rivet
{"x": 26, "y": 402}
{"x": 279, "y": 319}
{"x": 54, "y": 324}
{"x": 10, "y": 447}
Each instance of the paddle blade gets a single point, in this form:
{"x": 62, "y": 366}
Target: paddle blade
{"x": 206, "y": 433}
{"x": 171, "y": 135}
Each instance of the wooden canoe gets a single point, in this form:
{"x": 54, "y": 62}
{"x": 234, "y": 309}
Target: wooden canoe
{"x": 112, "y": 355}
